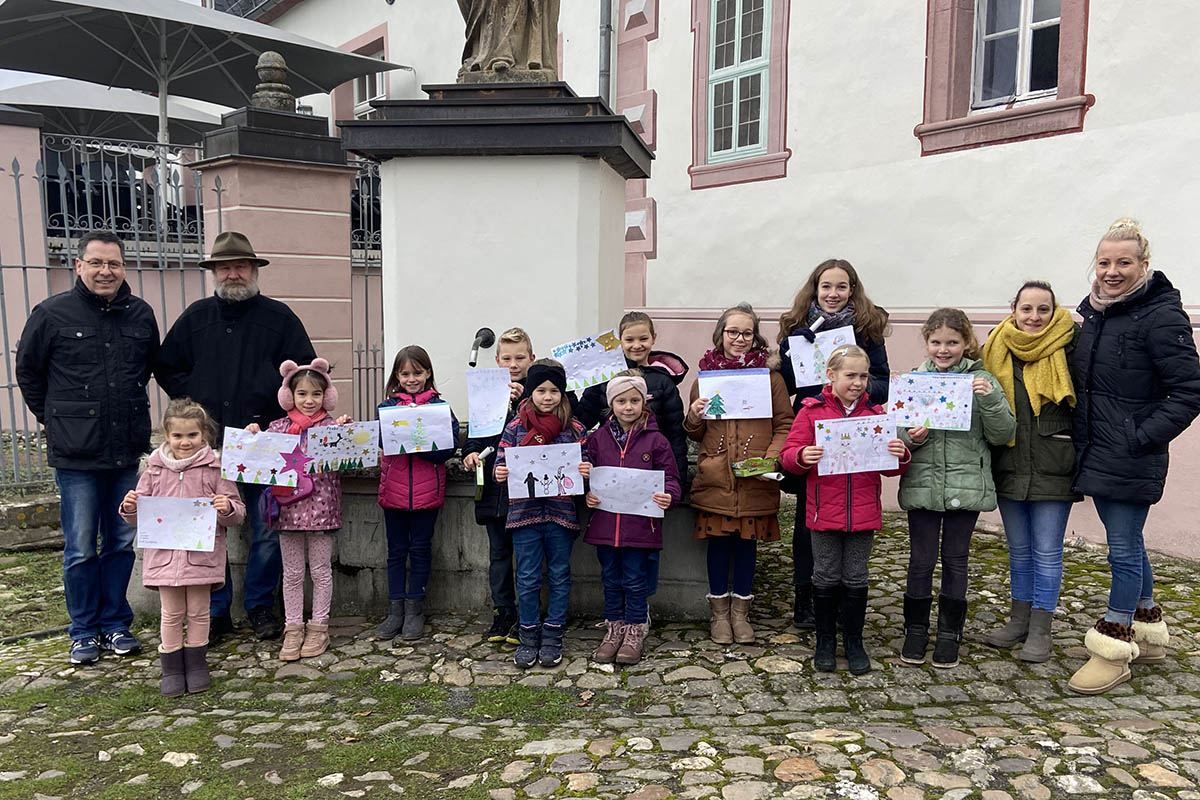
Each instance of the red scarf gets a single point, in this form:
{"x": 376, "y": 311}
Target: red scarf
{"x": 716, "y": 359}
{"x": 302, "y": 422}
{"x": 542, "y": 428}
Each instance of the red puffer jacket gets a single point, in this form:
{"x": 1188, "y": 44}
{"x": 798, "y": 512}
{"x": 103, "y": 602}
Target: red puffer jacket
{"x": 418, "y": 481}
{"x": 836, "y": 502}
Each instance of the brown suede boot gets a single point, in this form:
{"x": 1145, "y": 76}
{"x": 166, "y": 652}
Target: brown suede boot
{"x": 633, "y": 644}
{"x": 293, "y": 640}
{"x": 614, "y": 634}
{"x": 316, "y": 639}
{"x": 720, "y": 630}
{"x": 739, "y": 612}
{"x": 1150, "y": 633}
{"x": 1111, "y": 647}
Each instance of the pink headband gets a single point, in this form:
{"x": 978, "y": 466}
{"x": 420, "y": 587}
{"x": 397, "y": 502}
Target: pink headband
{"x": 623, "y": 383}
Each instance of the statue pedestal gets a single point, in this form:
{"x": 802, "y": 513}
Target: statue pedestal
{"x": 503, "y": 205}
{"x": 508, "y": 76}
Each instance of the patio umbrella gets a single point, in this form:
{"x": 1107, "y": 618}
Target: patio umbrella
{"x": 79, "y": 108}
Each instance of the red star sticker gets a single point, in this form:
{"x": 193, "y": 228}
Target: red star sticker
{"x": 899, "y": 404}
{"x": 878, "y": 429}
{"x": 241, "y": 467}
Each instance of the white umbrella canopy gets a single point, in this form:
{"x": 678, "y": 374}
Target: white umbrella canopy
{"x": 165, "y": 46}
{"x": 80, "y": 108}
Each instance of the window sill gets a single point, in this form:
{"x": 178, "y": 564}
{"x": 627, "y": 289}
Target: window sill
{"x": 744, "y": 170}
{"x": 1030, "y": 121}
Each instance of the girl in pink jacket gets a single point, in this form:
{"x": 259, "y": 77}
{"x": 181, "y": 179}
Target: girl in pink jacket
{"x": 309, "y": 397}
{"x": 185, "y": 466}
{"x": 843, "y": 511}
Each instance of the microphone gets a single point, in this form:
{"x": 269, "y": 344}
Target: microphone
{"x": 484, "y": 337}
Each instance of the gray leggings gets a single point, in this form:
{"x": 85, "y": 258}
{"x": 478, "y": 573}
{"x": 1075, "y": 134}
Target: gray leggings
{"x": 841, "y": 557}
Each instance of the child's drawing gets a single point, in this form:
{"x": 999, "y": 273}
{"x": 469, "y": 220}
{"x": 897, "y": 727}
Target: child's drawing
{"x": 736, "y": 393}
{"x": 591, "y": 360}
{"x": 258, "y": 457}
{"x": 855, "y": 444}
{"x": 176, "y": 523}
{"x": 487, "y": 401}
{"x": 354, "y": 445}
{"x": 550, "y": 470}
{"x": 416, "y": 429}
{"x": 935, "y": 400}
{"x": 808, "y": 358}
{"x": 628, "y": 491}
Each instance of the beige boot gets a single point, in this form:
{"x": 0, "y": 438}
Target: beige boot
{"x": 316, "y": 639}
{"x": 293, "y": 640}
{"x": 739, "y": 612}
{"x": 720, "y": 630}
{"x": 1150, "y": 633}
{"x": 1112, "y": 647}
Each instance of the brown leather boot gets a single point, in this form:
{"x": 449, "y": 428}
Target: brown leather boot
{"x": 739, "y": 612}
{"x": 720, "y": 629}
{"x": 614, "y": 634}
{"x": 316, "y": 639}
{"x": 293, "y": 640}
{"x": 1150, "y": 633}
{"x": 633, "y": 644}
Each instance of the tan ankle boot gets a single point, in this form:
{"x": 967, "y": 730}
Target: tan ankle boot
{"x": 1111, "y": 647}
{"x": 1150, "y": 633}
{"x": 739, "y": 612}
{"x": 633, "y": 643}
{"x": 316, "y": 639}
{"x": 720, "y": 630}
{"x": 293, "y": 639}
{"x": 614, "y": 634}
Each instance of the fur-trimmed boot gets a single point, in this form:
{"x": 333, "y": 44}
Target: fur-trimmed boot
{"x": 1111, "y": 647}
{"x": 720, "y": 630}
{"x": 739, "y": 617}
{"x": 1017, "y": 628}
{"x": 1150, "y": 633}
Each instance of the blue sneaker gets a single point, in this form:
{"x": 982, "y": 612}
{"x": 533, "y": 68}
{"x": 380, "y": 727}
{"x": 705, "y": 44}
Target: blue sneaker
{"x": 121, "y": 643}
{"x": 85, "y": 650}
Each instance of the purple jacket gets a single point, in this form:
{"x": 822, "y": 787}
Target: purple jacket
{"x": 321, "y": 510}
{"x": 646, "y": 448}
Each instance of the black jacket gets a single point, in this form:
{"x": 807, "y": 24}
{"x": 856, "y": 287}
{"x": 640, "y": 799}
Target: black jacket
{"x": 226, "y": 357}
{"x": 1137, "y": 386}
{"x": 877, "y": 386}
{"x": 663, "y": 374}
{"x": 493, "y": 503}
{"x": 83, "y": 364}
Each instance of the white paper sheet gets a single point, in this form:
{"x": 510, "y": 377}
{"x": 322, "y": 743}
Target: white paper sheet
{"x": 935, "y": 400}
{"x": 176, "y": 523}
{"x": 855, "y": 444}
{"x": 259, "y": 457}
{"x": 354, "y": 445}
{"x": 487, "y": 401}
{"x": 736, "y": 393}
{"x": 416, "y": 429}
{"x": 808, "y": 359}
{"x": 591, "y": 360}
{"x": 550, "y": 470}
{"x": 628, "y": 491}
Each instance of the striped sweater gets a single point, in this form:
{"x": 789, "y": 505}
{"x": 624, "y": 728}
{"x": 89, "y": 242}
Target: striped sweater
{"x": 534, "y": 511}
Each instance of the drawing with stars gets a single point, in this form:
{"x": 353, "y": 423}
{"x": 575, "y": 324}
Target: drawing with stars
{"x": 855, "y": 444}
{"x": 416, "y": 429}
{"x": 268, "y": 458}
{"x": 934, "y": 400}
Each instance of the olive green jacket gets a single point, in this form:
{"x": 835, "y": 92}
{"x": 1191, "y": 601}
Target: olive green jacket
{"x": 952, "y": 470}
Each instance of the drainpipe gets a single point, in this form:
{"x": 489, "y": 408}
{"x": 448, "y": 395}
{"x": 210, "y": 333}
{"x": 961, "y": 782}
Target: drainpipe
{"x": 606, "y": 31}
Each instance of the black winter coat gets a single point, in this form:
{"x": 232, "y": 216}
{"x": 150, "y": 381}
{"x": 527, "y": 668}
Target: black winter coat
{"x": 493, "y": 502}
{"x": 663, "y": 374}
{"x": 83, "y": 364}
{"x": 877, "y": 386}
{"x": 226, "y": 357}
{"x": 1137, "y": 386}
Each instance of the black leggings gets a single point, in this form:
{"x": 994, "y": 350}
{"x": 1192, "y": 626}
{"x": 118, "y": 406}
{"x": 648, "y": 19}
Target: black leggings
{"x": 954, "y": 529}
{"x": 802, "y": 553}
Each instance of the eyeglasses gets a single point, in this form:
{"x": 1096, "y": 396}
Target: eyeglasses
{"x": 96, "y": 263}
{"x": 736, "y": 334}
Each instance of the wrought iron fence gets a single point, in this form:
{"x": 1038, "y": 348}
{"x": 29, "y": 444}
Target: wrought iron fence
{"x": 366, "y": 273}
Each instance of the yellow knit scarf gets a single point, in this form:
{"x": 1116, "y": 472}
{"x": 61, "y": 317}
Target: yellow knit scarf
{"x": 1047, "y": 377}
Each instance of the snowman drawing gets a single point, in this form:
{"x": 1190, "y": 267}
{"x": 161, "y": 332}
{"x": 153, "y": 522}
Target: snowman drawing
{"x": 546, "y": 485}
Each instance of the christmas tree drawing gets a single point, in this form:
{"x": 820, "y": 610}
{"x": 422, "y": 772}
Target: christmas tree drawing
{"x": 418, "y": 435}
{"x": 716, "y": 406}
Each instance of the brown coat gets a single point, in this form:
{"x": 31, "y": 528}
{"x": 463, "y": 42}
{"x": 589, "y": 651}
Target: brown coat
{"x": 722, "y": 442}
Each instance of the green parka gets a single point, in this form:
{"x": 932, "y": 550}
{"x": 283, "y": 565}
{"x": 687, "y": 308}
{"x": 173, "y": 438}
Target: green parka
{"x": 952, "y": 470}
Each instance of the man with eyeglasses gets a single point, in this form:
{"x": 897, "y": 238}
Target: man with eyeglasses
{"x": 83, "y": 362}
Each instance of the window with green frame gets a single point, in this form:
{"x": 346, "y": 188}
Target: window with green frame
{"x": 739, "y": 62}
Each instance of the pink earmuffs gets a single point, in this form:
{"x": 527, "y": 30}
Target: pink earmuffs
{"x": 289, "y": 368}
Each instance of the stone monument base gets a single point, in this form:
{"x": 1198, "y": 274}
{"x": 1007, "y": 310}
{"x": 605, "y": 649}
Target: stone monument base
{"x": 508, "y": 76}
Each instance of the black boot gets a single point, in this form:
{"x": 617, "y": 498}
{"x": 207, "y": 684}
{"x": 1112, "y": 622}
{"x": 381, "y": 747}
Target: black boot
{"x": 527, "y": 651}
{"x": 550, "y": 652}
{"x": 195, "y": 665}
{"x": 854, "y": 615}
{"x": 172, "y": 683}
{"x": 916, "y": 629}
{"x": 802, "y": 610}
{"x": 952, "y": 615}
{"x": 825, "y": 613}
{"x": 414, "y": 618}
{"x": 390, "y": 627}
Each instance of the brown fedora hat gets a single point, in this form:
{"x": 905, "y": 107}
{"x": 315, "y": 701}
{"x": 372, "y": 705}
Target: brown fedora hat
{"x": 232, "y": 246}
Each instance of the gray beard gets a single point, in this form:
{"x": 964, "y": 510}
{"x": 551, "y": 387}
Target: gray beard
{"x": 236, "y": 294}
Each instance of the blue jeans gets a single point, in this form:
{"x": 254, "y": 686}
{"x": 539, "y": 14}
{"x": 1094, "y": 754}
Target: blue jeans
{"x": 1132, "y": 577}
{"x": 725, "y": 552}
{"x": 652, "y": 572}
{"x": 533, "y": 544}
{"x": 96, "y": 580}
{"x": 1035, "y": 530}
{"x": 410, "y": 551}
{"x": 264, "y": 564}
{"x": 624, "y": 572}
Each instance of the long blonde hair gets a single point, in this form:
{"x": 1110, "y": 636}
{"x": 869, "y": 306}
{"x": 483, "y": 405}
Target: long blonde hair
{"x": 870, "y": 321}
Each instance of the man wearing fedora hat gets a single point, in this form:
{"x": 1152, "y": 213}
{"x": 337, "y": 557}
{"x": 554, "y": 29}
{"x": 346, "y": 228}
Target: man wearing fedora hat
{"x": 224, "y": 352}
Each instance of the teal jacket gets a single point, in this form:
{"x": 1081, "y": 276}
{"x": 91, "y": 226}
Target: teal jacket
{"x": 952, "y": 470}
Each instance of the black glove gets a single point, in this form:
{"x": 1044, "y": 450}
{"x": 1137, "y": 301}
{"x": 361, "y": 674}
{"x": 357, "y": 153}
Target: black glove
{"x": 806, "y": 333}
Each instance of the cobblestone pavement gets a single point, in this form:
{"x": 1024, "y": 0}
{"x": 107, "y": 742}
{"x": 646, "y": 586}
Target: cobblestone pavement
{"x": 450, "y": 716}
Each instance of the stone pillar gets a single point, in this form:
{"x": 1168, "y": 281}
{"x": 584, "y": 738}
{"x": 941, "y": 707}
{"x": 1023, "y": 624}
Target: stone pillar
{"x": 503, "y": 205}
